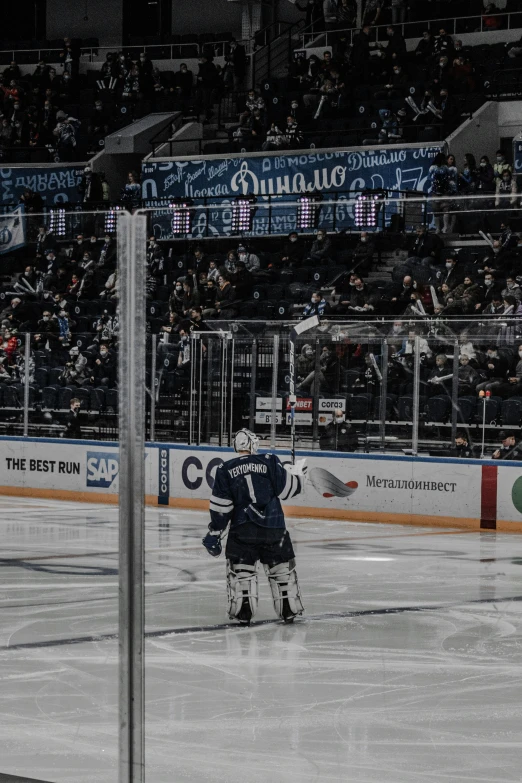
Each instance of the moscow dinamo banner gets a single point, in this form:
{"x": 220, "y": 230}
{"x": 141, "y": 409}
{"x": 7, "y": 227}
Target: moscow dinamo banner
{"x": 333, "y": 174}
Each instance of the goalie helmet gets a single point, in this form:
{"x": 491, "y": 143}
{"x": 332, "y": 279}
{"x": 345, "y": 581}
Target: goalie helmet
{"x": 244, "y": 440}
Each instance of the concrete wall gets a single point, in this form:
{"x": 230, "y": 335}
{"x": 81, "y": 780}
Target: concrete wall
{"x": 480, "y": 135}
{"x": 510, "y": 119}
{"x": 66, "y": 17}
{"x": 206, "y": 16}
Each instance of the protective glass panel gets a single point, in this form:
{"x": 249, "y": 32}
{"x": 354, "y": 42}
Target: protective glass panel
{"x": 58, "y": 388}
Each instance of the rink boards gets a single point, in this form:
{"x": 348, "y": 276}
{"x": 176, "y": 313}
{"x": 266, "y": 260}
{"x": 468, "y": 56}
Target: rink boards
{"x": 383, "y": 488}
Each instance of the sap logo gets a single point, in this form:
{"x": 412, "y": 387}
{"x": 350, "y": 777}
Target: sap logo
{"x": 102, "y": 468}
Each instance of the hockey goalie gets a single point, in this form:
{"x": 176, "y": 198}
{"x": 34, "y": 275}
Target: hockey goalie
{"x": 247, "y": 493}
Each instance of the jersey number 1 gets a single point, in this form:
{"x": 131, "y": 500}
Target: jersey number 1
{"x": 250, "y": 486}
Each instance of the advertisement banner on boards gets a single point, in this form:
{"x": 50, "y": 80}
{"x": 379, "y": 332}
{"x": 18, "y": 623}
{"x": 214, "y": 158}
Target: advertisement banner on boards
{"x": 56, "y": 184}
{"x": 394, "y": 486}
{"x": 328, "y": 173}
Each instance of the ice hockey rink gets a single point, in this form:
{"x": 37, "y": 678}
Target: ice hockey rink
{"x": 405, "y": 668}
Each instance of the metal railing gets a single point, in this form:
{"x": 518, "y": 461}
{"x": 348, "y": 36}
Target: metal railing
{"x": 276, "y": 55}
{"x": 414, "y": 29}
{"x": 161, "y": 51}
{"x": 16, "y": 154}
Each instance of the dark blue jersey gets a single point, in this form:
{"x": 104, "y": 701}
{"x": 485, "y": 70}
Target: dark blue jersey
{"x": 250, "y": 488}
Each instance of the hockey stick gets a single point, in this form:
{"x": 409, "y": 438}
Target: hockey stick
{"x": 295, "y": 331}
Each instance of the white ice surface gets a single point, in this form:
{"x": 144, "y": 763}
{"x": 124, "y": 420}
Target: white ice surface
{"x": 429, "y": 693}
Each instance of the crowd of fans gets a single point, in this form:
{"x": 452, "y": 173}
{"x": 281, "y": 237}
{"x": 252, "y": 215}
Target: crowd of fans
{"x": 383, "y": 92}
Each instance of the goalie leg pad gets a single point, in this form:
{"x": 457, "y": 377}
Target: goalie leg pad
{"x": 242, "y": 591}
{"x": 285, "y": 590}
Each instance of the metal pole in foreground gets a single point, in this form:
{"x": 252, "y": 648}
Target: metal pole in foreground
{"x": 152, "y": 434}
{"x": 131, "y": 251}
{"x": 416, "y": 393}
{"x": 27, "y": 359}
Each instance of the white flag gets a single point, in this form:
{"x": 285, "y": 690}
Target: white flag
{"x": 12, "y": 230}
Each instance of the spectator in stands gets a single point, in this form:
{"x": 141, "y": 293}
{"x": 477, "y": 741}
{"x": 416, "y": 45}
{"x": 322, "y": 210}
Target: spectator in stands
{"x": 131, "y": 193}
{"x": 508, "y": 449}
{"x": 438, "y": 380}
{"x": 506, "y": 187}
{"x": 372, "y": 11}
{"x": 361, "y": 50}
{"x": 239, "y": 61}
{"x": 317, "y": 306}
{"x": 443, "y": 43}
{"x": 490, "y": 19}
{"x": 250, "y": 260}
{"x": 225, "y": 297}
{"x": 183, "y": 81}
{"x": 208, "y": 298}
{"x": 363, "y": 253}
{"x": 396, "y": 43}
{"x": 102, "y": 371}
{"x": 486, "y": 176}
{"x": 425, "y": 47}
{"x": 73, "y": 428}
{"x": 361, "y": 299}
{"x": 468, "y": 377}
{"x": 462, "y": 448}
{"x": 501, "y": 165}
{"x": 191, "y": 297}
{"x": 75, "y": 370}
{"x": 321, "y": 248}
{"x": 208, "y": 83}
{"x": 426, "y": 246}
{"x": 339, "y": 435}
{"x": 65, "y": 133}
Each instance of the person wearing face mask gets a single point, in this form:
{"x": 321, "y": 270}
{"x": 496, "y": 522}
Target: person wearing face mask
{"x": 48, "y": 328}
{"x": 506, "y": 191}
{"x": 73, "y": 429}
{"x": 338, "y": 435}
{"x": 512, "y": 288}
{"x": 317, "y": 306}
{"x": 75, "y": 370}
{"x": 452, "y": 274}
{"x": 250, "y": 260}
{"x": 462, "y": 448}
{"x": 501, "y": 165}
{"x": 107, "y": 252}
{"x": 361, "y": 300}
{"x": 363, "y": 253}
{"x": 176, "y": 298}
{"x": 292, "y": 250}
{"x": 486, "y": 176}
{"x": 321, "y": 247}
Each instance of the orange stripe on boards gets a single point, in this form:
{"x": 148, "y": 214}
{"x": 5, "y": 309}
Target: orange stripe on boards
{"x": 69, "y": 494}
{"x": 199, "y": 504}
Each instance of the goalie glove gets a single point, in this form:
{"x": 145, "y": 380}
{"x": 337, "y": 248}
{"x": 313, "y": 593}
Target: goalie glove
{"x": 299, "y": 469}
{"x": 212, "y": 543}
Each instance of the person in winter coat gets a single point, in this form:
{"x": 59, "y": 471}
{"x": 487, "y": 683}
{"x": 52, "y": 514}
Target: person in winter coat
{"x": 75, "y": 370}
{"x": 225, "y": 298}
{"x": 321, "y": 248}
{"x": 317, "y": 306}
{"x": 338, "y": 435}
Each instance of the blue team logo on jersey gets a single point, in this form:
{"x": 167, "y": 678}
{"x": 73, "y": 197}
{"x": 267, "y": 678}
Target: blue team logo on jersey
{"x": 102, "y": 468}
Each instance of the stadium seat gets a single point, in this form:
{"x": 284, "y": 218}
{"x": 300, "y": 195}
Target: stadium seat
{"x": 511, "y": 412}
{"x": 438, "y": 408}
